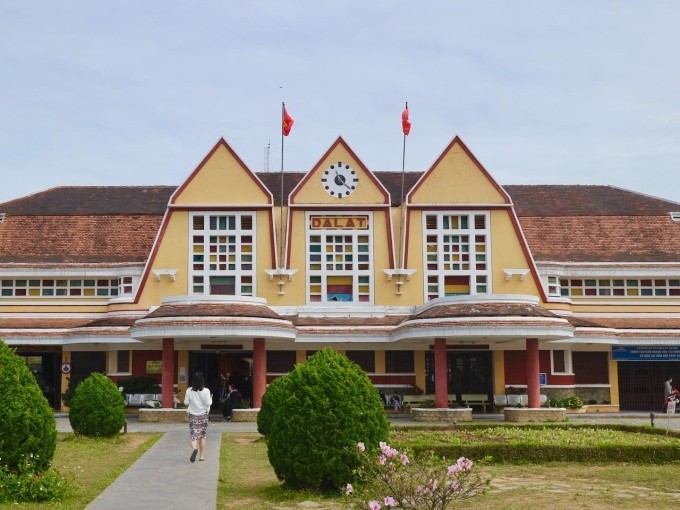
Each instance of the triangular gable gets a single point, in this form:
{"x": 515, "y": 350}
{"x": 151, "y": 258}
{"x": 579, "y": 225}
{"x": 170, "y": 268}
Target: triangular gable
{"x": 311, "y": 189}
{"x": 457, "y": 178}
{"x": 222, "y": 179}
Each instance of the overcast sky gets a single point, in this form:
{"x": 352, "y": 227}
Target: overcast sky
{"x": 137, "y": 92}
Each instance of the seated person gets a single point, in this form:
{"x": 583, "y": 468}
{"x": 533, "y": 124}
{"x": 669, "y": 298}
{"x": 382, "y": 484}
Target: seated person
{"x": 233, "y": 401}
{"x": 395, "y": 400}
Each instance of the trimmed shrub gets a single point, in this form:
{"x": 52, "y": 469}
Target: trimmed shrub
{"x": 28, "y": 432}
{"x": 272, "y": 399}
{"x": 330, "y": 406}
{"x": 97, "y": 407}
{"x": 572, "y": 402}
{"x": 32, "y": 487}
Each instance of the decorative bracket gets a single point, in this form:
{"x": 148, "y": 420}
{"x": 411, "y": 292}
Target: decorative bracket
{"x": 522, "y": 273}
{"x": 160, "y": 272}
{"x": 399, "y": 272}
{"x": 281, "y": 272}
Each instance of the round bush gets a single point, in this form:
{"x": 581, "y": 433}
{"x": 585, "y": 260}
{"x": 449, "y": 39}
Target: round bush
{"x": 272, "y": 399}
{"x": 97, "y": 407}
{"x": 28, "y": 432}
{"x": 330, "y": 406}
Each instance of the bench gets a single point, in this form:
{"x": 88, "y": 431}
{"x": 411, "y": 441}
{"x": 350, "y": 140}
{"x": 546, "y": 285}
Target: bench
{"x": 416, "y": 400}
{"x": 472, "y": 399}
{"x": 469, "y": 399}
{"x": 387, "y": 391}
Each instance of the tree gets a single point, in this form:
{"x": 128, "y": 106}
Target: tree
{"x": 28, "y": 432}
{"x": 331, "y": 406}
{"x": 97, "y": 407}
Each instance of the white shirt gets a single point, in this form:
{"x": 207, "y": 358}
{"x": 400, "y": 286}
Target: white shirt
{"x": 198, "y": 402}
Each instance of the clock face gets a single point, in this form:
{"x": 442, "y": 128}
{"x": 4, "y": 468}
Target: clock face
{"x": 339, "y": 180}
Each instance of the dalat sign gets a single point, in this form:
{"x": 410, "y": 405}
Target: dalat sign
{"x": 338, "y": 222}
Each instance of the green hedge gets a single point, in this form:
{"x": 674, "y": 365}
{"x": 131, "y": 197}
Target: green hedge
{"x": 504, "y": 453}
{"x": 510, "y": 454}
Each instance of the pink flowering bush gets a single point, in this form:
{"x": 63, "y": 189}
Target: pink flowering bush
{"x": 388, "y": 479}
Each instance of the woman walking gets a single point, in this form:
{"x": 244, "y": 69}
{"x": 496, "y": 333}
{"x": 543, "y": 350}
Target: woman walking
{"x": 198, "y": 401}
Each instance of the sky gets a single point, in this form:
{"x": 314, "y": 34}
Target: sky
{"x": 138, "y": 92}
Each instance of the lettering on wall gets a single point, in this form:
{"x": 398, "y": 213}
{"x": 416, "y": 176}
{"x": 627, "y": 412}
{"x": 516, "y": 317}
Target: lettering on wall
{"x": 338, "y": 222}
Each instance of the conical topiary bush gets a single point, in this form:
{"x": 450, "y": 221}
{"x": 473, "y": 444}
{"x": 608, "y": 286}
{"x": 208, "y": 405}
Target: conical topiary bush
{"x": 97, "y": 407}
{"x": 330, "y": 406}
{"x": 28, "y": 432}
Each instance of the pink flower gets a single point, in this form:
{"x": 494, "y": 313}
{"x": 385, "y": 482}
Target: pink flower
{"x": 389, "y": 501}
{"x": 465, "y": 464}
{"x": 382, "y": 459}
{"x": 453, "y": 470}
{"x": 373, "y": 505}
{"x": 349, "y": 489}
{"x": 361, "y": 447}
{"x": 404, "y": 459}
{"x": 454, "y": 485}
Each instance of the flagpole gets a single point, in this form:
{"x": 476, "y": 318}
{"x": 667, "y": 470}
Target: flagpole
{"x": 401, "y": 224}
{"x": 283, "y": 113}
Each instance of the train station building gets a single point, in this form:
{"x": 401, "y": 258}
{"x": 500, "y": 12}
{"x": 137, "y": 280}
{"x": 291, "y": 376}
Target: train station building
{"x": 435, "y": 282}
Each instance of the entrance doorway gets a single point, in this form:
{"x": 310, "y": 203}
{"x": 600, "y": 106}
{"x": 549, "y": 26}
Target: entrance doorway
{"x": 470, "y": 370}
{"x": 641, "y": 384}
{"x": 221, "y": 368}
{"x": 45, "y": 368}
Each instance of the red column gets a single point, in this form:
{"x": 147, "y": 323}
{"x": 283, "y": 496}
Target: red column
{"x": 533, "y": 388}
{"x": 168, "y": 375}
{"x": 259, "y": 371}
{"x": 441, "y": 385}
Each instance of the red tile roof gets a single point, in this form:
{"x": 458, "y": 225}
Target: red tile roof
{"x": 603, "y": 238}
{"x": 214, "y": 310}
{"x": 92, "y": 200}
{"x": 119, "y": 224}
{"x": 77, "y": 239}
{"x": 547, "y": 200}
{"x": 458, "y": 310}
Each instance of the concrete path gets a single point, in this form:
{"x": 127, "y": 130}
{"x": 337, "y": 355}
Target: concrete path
{"x": 165, "y": 478}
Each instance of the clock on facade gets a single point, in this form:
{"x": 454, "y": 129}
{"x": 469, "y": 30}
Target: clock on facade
{"x": 339, "y": 180}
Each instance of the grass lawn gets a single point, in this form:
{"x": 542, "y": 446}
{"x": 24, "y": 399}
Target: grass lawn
{"x": 91, "y": 465}
{"x": 247, "y": 481}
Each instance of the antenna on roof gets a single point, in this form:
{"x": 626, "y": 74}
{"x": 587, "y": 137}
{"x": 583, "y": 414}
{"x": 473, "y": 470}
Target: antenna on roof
{"x": 267, "y": 158}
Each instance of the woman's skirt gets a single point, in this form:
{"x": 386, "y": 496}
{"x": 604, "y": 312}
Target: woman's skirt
{"x": 198, "y": 426}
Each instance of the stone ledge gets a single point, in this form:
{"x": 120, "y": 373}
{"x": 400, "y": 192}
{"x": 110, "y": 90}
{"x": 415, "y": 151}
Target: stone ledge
{"x": 528, "y": 414}
{"x": 450, "y": 415}
{"x": 245, "y": 415}
{"x": 163, "y": 415}
{"x": 602, "y": 408}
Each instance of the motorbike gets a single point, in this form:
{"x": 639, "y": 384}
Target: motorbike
{"x": 673, "y": 397}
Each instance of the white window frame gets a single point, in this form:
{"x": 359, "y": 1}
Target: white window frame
{"x": 471, "y": 231}
{"x": 324, "y": 273}
{"x": 553, "y": 281}
{"x": 568, "y": 366}
{"x": 112, "y": 363}
{"x": 206, "y": 272}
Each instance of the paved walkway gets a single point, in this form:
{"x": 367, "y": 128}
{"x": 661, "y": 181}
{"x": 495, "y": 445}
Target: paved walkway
{"x": 164, "y": 478}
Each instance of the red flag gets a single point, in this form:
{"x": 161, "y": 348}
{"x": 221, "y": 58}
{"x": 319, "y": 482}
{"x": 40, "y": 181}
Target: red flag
{"x": 287, "y": 123}
{"x": 405, "y": 123}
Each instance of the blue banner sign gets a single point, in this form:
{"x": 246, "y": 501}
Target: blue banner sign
{"x": 639, "y": 353}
